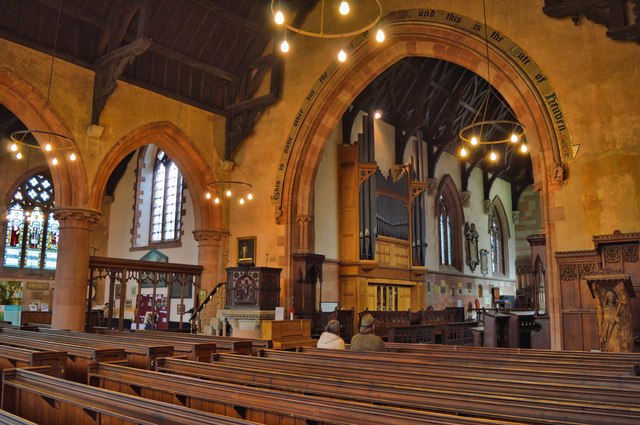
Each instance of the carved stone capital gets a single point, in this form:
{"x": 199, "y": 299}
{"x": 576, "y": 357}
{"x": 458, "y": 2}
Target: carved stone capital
{"x": 432, "y": 186}
{"x": 77, "y": 217}
{"x": 486, "y": 206}
{"x": 465, "y": 198}
{"x": 558, "y": 173}
{"x": 515, "y": 217}
{"x": 204, "y": 237}
{"x": 304, "y": 219}
{"x": 279, "y": 215}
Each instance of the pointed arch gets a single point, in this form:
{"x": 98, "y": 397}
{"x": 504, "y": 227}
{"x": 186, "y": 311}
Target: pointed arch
{"x": 169, "y": 138}
{"x": 32, "y": 108}
{"x": 449, "y": 220}
{"x": 499, "y": 235}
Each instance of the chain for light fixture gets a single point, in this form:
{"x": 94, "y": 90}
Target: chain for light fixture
{"x": 56, "y": 142}
{"x": 478, "y": 132}
{"x": 344, "y": 9}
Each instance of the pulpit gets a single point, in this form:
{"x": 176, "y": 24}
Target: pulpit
{"x": 252, "y": 294}
{"x": 612, "y": 292}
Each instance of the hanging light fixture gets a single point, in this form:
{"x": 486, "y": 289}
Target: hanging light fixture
{"x": 57, "y": 145}
{"x": 486, "y": 131}
{"x": 228, "y": 189}
{"x": 344, "y": 9}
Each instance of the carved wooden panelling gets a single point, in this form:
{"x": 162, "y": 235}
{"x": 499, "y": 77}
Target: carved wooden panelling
{"x": 568, "y": 272}
{"x": 630, "y": 253}
{"x": 611, "y": 255}
{"x": 586, "y": 269}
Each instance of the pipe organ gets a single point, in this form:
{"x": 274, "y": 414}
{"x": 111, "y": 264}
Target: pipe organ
{"x": 382, "y": 232}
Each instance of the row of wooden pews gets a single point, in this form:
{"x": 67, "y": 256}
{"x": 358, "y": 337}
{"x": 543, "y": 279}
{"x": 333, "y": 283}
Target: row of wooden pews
{"x": 410, "y": 384}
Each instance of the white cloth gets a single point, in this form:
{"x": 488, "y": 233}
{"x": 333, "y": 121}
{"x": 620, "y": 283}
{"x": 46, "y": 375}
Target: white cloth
{"x": 331, "y": 341}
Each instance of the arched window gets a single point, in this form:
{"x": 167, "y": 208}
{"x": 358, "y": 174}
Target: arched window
{"x": 31, "y": 240}
{"x": 167, "y": 200}
{"x": 449, "y": 219}
{"x": 498, "y": 237}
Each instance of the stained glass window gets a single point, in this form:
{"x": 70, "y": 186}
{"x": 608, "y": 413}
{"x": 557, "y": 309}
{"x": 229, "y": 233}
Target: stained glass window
{"x": 495, "y": 240}
{"x": 167, "y": 200}
{"x": 31, "y": 240}
{"x": 446, "y": 254}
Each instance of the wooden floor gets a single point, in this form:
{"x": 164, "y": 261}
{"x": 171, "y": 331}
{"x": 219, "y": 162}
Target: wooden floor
{"x": 61, "y": 377}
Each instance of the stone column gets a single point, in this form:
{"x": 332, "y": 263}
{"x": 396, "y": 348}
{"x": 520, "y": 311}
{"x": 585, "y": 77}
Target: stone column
{"x": 305, "y": 229}
{"x": 72, "y": 268}
{"x": 212, "y": 256}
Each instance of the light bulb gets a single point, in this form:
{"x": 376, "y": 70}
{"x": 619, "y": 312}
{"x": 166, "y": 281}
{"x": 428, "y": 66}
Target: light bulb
{"x": 241, "y": 201}
{"x": 250, "y": 196}
{"x": 514, "y": 138}
{"x": 463, "y": 152}
{"x": 524, "y": 148}
{"x": 14, "y": 147}
{"x": 207, "y": 195}
{"x": 47, "y": 147}
{"x": 19, "y": 155}
{"x": 228, "y": 193}
{"x": 342, "y": 56}
{"x": 380, "y": 36}
{"x": 216, "y": 201}
{"x": 54, "y": 161}
{"x": 377, "y": 115}
{"x": 344, "y": 8}
{"x": 474, "y": 140}
{"x": 279, "y": 18}
{"x": 72, "y": 157}
{"x": 493, "y": 156}
{"x": 284, "y": 46}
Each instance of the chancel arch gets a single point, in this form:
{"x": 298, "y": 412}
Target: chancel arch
{"x": 339, "y": 85}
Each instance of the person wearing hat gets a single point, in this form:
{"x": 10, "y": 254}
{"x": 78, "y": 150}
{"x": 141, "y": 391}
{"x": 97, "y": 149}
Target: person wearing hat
{"x": 367, "y": 340}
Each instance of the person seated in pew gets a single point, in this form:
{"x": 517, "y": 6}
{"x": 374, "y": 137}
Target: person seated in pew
{"x": 367, "y": 340}
{"x": 330, "y": 338}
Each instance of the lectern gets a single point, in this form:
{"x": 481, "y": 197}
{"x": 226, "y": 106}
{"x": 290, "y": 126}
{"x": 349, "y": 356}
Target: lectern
{"x": 612, "y": 292}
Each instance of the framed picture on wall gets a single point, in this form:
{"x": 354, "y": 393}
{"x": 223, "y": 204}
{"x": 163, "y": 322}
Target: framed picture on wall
{"x": 247, "y": 251}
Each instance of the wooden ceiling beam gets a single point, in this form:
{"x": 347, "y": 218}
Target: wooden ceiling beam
{"x": 228, "y": 14}
{"x": 192, "y": 62}
{"x": 74, "y": 12}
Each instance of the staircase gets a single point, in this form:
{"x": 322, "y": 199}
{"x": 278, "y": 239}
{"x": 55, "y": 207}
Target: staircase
{"x": 621, "y": 17}
{"x": 205, "y": 318}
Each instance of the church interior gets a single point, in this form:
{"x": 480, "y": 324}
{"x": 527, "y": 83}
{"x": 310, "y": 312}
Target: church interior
{"x": 195, "y": 189}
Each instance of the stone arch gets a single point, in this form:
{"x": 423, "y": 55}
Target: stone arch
{"x": 195, "y": 171}
{"x": 32, "y": 108}
{"x": 340, "y": 84}
{"x": 410, "y": 34}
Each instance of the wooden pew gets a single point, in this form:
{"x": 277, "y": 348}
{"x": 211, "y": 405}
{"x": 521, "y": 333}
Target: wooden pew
{"x": 542, "y": 354}
{"x": 625, "y": 389}
{"x": 138, "y": 354}
{"x": 421, "y": 370}
{"x": 7, "y": 418}
{"x": 460, "y": 400}
{"x": 53, "y": 401}
{"x": 496, "y": 363}
{"x": 12, "y": 357}
{"x": 223, "y": 343}
{"x": 259, "y": 404}
{"x": 78, "y": 357}
{"x": 185, "y": 347}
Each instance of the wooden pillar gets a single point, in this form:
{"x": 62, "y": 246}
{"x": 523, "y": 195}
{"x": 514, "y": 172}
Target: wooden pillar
{"x": 69, "y": 296}
{"x": 211, "y": 256}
